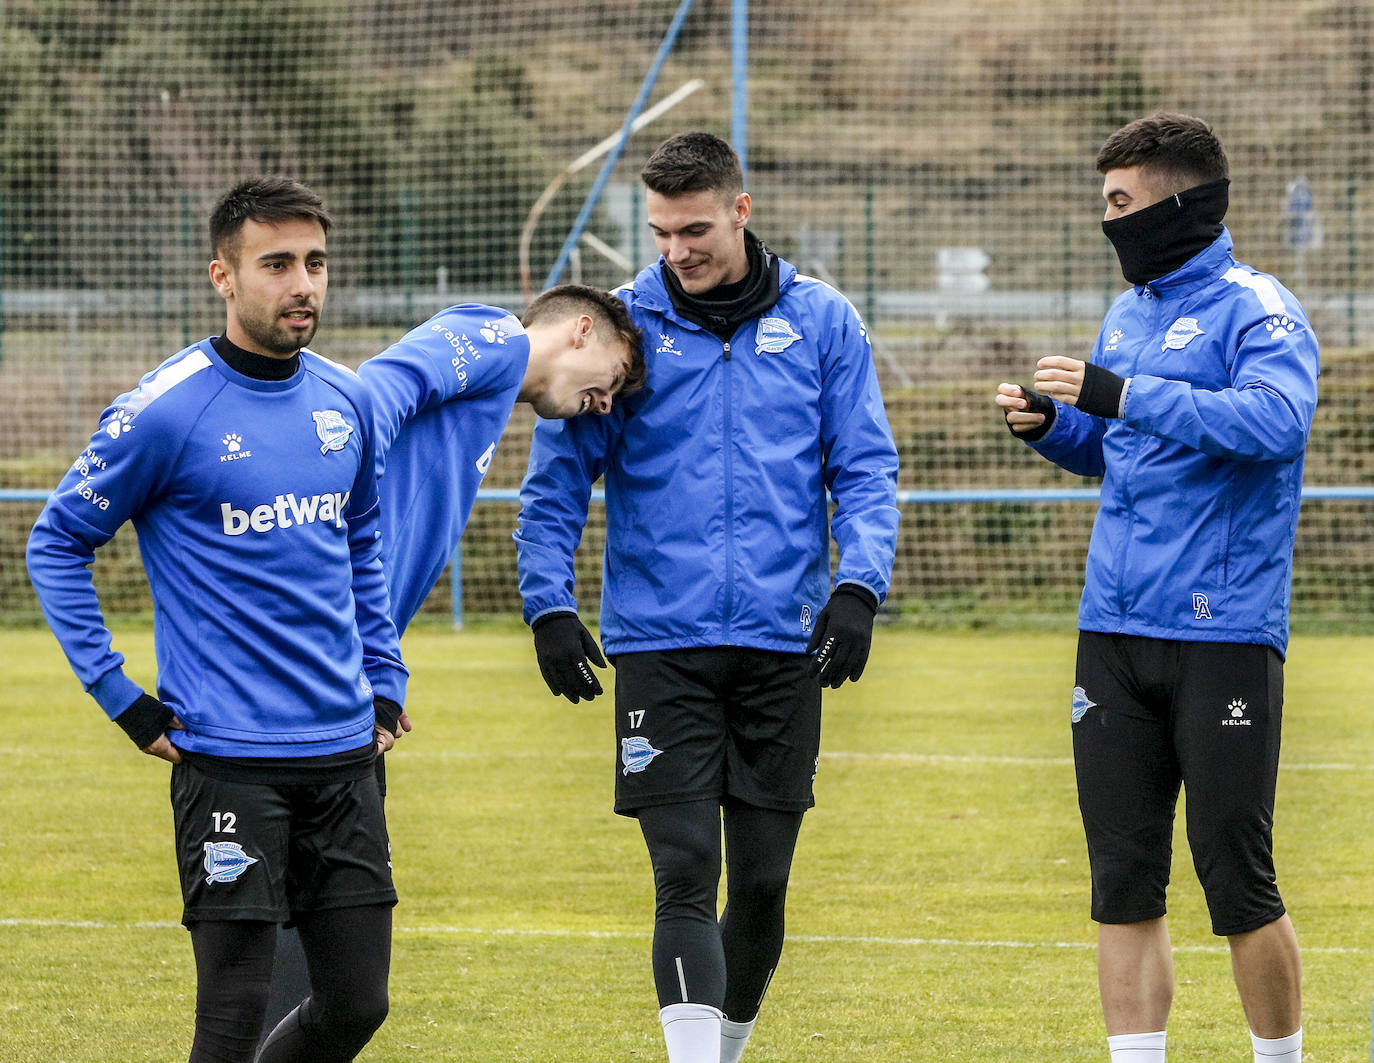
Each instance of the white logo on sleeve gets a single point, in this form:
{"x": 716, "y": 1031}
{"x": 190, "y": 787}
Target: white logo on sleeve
{"x": 493, "y": 332}
{"x": 120, "y": 423}
{"x": 332, "y": 429}
{"x": 1280, "y": 325}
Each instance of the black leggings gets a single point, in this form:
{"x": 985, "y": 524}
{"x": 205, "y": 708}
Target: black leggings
{"x": 727, "y": 963}
{"x": 349, "y": 955}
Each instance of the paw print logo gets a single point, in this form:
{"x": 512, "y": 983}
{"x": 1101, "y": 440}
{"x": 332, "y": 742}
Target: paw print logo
{"x": 1115, "y": 338}
{"x": 492, "y": 332}
{"x": 119, "y": 424}
{"x": 666, "y": 345}
{"x": 233, "y": 441}
{"x": 1280, "y": 325}
{"x": 1236, "y": 707}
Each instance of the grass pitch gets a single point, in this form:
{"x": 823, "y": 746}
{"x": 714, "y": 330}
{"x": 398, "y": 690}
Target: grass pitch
{"x": 939, "y": 900}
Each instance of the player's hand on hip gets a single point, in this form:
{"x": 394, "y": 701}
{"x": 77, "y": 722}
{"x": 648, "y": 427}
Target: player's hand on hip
{"x": 147, "y": 722}
{"x": 843, "y": 635}
{"x": 162, "y": 747}
{"x": 392, "y": 721}
{"x": 566, "y": 650}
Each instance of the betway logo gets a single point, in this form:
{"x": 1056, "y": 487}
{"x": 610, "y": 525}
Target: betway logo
{"x": 284, "y": 512}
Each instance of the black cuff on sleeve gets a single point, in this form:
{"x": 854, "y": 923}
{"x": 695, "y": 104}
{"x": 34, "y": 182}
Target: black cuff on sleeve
{"x": 859, "y": 592}
{"x": 387, "y": 711}
{"x": 549, "y": 618}
{"x": 1036, "y": 403}
{"x": 1101, "y": 394}
{"x": 145, "y": 721}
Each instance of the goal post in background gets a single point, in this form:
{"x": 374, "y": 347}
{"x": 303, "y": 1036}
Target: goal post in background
{"x": 930, "y": 158}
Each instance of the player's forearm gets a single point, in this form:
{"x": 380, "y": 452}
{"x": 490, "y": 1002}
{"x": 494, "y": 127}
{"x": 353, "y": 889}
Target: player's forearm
{"x": 59, "y": 570}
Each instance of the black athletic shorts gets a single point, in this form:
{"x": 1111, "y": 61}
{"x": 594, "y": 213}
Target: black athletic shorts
{"x": 1150, "y": 715}
{"x": 716, "y": 722}
{"x": 267, "y": 851}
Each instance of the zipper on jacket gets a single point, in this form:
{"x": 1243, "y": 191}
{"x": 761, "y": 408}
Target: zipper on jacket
{"x": 1127, "y": 485}
{"x": 727, "y": 405}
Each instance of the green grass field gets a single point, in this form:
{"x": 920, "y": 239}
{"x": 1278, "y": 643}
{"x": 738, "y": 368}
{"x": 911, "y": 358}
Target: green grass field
{"x": 938, "y": 908}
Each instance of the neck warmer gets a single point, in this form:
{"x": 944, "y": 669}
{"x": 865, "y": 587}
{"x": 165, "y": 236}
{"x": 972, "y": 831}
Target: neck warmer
{"x": 1158, "y": 239}
{"x": 257, "y": 366}
{"x": 724, "y": 308}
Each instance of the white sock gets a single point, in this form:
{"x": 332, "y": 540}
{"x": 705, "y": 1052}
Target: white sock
{"x": 691, "y": 1032}
{"x": 733, "y": 1037}
{"x": 1279, "y": 1049}
{"x": 1137, "y": 1047}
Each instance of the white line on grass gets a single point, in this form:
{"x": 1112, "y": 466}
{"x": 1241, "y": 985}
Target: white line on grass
{"x": 600, "y": 935}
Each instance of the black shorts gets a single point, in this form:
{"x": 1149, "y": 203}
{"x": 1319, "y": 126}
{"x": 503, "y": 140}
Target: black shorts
{"x": 716, "y": 722}
{"x": 267, "y": 851}
{"x": 1150, "y": 715}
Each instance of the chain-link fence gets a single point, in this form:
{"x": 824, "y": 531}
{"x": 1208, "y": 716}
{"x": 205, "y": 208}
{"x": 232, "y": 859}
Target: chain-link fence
{"x": 933, "y": 159}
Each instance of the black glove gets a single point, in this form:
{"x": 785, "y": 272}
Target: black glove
{"x": 146, "y": 720}
{"x": 843, "y": 635}
{"x": 1036, "y": 403}
{"x": 563, "y": 647}
{"x": 388, "y": 713}
{"x": 1101, "y": 391}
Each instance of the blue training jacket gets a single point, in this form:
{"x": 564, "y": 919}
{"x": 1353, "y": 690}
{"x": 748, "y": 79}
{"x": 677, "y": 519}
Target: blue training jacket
{"x": 256, "y": 508}
{"x": 1202, "y": 475}
{"x": 718, "y": 527}
{"x": 441, "y": 395}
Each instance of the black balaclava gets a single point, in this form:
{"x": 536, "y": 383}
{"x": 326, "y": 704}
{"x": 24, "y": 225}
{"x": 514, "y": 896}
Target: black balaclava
{"x": 1158, "y": 239}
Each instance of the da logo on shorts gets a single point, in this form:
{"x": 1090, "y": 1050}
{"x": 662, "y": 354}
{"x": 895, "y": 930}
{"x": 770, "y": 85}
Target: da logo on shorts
{"x": 1081, "y": 704}
{"x": 225, "y": 861}
{"x": 636, "y": 754}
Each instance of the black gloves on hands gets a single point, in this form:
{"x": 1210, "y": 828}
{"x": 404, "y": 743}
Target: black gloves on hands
{"x": 843, "y": 635}
{"x": 1101, "y": 391}
{"x": 146, "y": 720}
{"x": 1036, "y": 403}
{"x": 563, "y": 647}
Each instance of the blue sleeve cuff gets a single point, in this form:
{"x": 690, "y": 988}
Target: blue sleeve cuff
{"x": 115, "y": 692}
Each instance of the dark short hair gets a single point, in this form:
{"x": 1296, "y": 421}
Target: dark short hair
{"x": 693, "y": 162}
{"x": 1177, "y": 150}
{"x": 269, "y": 200}
{"x": 609, "y": 318}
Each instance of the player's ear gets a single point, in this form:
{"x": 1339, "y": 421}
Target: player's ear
{"x": 219, "y": 277}
{"x": 743, "y": 208}
{"x": 582, "y": 330}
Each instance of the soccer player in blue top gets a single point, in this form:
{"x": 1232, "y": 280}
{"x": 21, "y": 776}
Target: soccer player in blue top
{"x": 247, "y": 463}
{"x": 443, "y": 393}
{"x": 718, "y": 609}
{"x": 1194, "y": 408}
{"x": 441, "y": 398}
